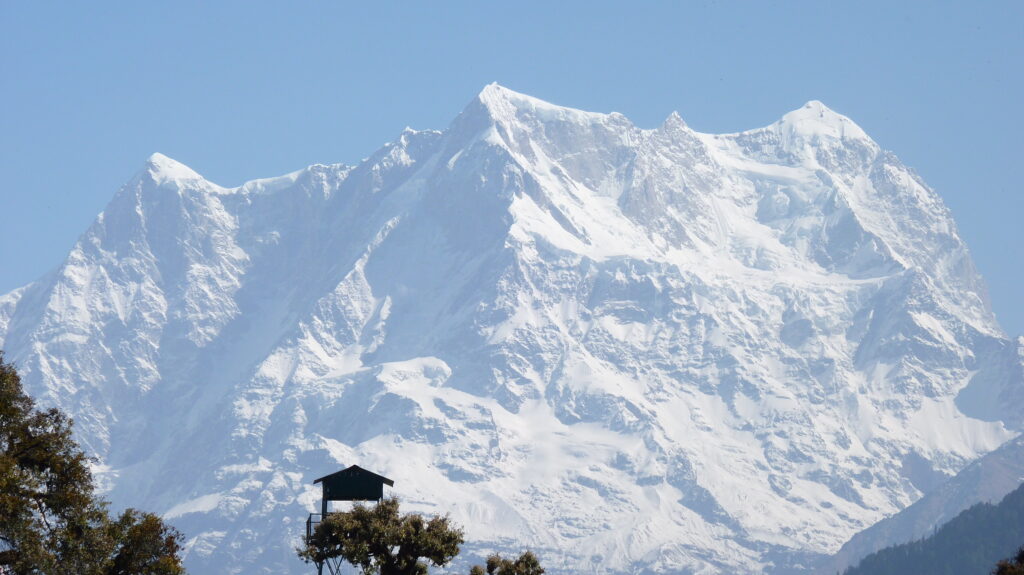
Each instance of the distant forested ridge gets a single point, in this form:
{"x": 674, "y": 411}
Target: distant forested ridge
{"x": 971, "y": 543}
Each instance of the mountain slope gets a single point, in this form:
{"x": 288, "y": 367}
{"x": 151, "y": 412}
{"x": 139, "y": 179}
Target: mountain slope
{"x": 987, "y": 480}
{"x": 627, "y": 349}
{"x": 972, "y": 542}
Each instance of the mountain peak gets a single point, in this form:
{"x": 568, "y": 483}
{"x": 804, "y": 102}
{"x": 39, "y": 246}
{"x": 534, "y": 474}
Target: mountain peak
{"x": 494, "y": 95}
{"x": 164, "y": 169}
{"x": 495, "y": 90}
{"x": 674, "y": 121}
{"x": 816, "y": 119}
{"x": 503, "y": 104}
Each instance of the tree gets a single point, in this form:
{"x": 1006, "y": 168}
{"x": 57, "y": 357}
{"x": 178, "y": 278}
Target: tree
{"x": 51, "y": 521}
{"x": 1008, "y": 567}
{"x": 379, "y": 540}
{"x": 526, "y": 564}
{"x": 148, "y": 546}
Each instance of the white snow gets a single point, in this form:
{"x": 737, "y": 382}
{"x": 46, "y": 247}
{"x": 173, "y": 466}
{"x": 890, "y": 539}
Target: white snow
{"x": 201, "y": 504}
{"x": 164, "y": 169}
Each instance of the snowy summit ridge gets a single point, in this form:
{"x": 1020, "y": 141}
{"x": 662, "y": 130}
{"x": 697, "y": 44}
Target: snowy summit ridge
{"x": 164, "y": 169}
{"x": 505, "y": 104}
{"x": 816, "y": 119}
{"x": 627, "y": 349}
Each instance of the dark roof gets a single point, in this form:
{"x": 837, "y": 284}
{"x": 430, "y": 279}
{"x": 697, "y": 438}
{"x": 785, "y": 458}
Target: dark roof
{"x": 355, "y": 470}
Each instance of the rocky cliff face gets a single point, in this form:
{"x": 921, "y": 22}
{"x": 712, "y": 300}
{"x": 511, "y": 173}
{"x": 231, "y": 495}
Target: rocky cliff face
{"x": 625, "y": 349}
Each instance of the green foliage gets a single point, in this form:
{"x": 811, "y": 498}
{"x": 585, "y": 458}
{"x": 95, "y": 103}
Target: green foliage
{"x": 526, "y": 564}
{"x": 1008, "y": 567}
{"x": 51, "y": 522}
{"x": 970, "y": 543}
{"x": 379, "y": 540}
{"x": 148, "y": 546}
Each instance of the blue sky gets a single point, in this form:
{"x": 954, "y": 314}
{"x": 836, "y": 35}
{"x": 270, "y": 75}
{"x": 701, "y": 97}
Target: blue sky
{"x": 241, "y": 90}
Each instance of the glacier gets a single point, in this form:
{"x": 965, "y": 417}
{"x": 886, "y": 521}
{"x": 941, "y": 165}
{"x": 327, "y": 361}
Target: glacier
{"x": 629, "y": 350}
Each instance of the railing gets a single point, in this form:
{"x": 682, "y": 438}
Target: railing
{"x": 311, "y": 523}
{"x": 335, "y": 565}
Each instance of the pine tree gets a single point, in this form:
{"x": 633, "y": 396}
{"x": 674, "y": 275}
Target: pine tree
{"x": 1008, "y": 567}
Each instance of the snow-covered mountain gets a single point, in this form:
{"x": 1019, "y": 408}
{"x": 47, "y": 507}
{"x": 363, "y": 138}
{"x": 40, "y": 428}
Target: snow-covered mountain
{"x": 626, "y": 349}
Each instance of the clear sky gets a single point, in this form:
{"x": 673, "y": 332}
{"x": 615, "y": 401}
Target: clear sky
{"x": 241, "y": 90}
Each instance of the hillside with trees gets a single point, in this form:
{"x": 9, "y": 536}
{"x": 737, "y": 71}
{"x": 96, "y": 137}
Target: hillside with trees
{"x": 971, "y": 543}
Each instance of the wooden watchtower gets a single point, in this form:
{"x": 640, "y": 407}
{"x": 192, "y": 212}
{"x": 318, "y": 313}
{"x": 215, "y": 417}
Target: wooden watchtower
{"x": 350, "y": 484}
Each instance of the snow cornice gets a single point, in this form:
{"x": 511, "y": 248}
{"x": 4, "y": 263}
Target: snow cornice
{"x": 163, "y": 169}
